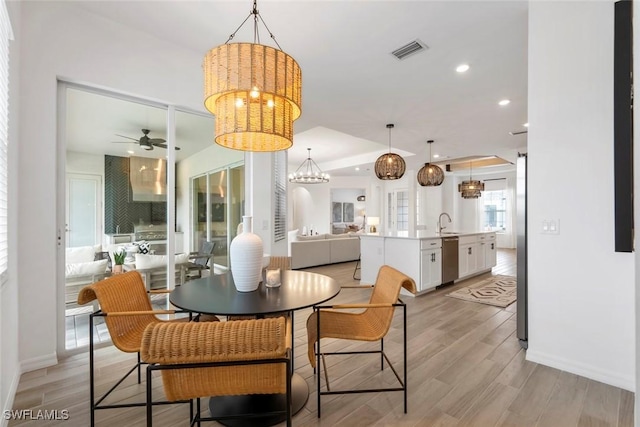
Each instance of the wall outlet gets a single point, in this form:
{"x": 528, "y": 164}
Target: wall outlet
{"x": 265, "y": 224}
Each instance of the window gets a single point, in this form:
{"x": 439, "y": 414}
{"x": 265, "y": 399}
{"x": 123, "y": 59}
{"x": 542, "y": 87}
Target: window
{"x": 398, "y": 213}
{"x": 495, "y": 210}
{"x": 280, "y": 211}
{"x": 402, "y": 203}
{"x": 6, "y": 35}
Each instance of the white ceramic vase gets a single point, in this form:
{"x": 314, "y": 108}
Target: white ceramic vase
{"x": 246, "y": 258}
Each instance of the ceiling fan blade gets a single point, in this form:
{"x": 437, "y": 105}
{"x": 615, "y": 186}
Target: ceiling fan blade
{"x": 157, "y": 140}
{"x": 128, "y": 137}
{"x": 124, "y": 142}
{"x": 163, "y": 145}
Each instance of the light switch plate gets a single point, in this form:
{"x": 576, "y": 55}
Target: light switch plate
{"x": 550, "y": 226}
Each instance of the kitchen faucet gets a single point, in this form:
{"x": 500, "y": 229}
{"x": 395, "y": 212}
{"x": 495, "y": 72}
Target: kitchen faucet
{"x": 440, "y": 227}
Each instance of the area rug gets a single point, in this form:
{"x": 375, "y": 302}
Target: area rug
{"x": 499, "y": 291}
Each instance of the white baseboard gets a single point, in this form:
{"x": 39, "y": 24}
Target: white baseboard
{"x": 8, "y": 404}
{"x": 39, "y": 362}
{"x": 588, "y": 371}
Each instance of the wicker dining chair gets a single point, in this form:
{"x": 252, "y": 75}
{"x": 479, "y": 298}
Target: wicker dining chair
{"x": 220, "y": 359}
{"x": 372, "y": 324}
{"x": 281, "y": 262}
{"x": 127, "y": 311}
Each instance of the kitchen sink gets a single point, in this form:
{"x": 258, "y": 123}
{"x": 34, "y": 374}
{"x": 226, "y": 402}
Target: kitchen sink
{"x": 450, "y": 232}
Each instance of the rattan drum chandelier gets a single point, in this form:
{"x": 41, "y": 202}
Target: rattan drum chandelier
{"x": 470, "y": 189}
{"x": 390, "y": 165}
{"x": 254, "y": 91}
{"x": 430, "y": 175}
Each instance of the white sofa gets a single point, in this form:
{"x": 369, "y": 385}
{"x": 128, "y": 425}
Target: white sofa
{"x": 81, "y": 269}
{"x": 309, "y": 251}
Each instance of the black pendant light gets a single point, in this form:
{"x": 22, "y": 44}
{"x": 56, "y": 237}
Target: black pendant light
{"x": 430, "y": 175}
{"x": 390, "y": 165}
{"x": 471, "y": 189}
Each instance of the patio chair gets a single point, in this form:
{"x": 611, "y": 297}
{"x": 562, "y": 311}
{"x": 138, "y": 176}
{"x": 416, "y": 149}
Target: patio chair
{"x": 220, "y": 359}
{"x": 372, "y": 324}
{"x": 127, "y": 311}
{"x": 199, "y": 261}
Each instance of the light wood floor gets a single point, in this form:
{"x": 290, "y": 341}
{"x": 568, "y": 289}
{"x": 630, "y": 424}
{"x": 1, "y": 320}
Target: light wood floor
{"x": 466, "y": 368}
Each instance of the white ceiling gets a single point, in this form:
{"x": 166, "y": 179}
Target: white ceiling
{"x": 352, "y": 85}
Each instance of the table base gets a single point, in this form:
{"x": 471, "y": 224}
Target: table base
{"x": 255, "y": 403}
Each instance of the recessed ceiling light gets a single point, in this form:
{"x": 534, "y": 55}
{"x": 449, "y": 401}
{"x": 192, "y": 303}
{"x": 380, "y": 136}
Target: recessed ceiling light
{"x": 130, "y": 152}
{"x": 504, "y": 102}
{"x": 462, "y": 68}
{"x": 435, "y": 156}
{"x": 526, "y": 125}
{"x": 357, "y": 169}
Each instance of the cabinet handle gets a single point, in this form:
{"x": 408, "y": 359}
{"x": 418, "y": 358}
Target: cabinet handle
{"x": 433, "y": 257}
{"x": 469, "y": 251}
{"x": 492, "y": 246}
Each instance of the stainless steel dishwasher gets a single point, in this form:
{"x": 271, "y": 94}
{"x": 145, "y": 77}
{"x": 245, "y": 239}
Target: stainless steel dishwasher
{"x": 449, "y": 259}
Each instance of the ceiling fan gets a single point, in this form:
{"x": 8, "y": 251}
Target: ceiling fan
{"x": 144, "y": 141}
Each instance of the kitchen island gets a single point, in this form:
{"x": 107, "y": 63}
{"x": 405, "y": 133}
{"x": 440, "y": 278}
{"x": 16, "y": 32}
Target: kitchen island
{"x": 421, "y": 257}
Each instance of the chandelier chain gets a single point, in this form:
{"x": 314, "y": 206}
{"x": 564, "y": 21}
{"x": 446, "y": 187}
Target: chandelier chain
{"x": 256, "y": 33}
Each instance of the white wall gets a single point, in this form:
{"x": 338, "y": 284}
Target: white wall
{"x": 59, "y": 41}
{"x": 581, "y": 292}
{"x": 263, "y": 202}
{"x": 431, "y": 202}
{"x": 350, "y": 195}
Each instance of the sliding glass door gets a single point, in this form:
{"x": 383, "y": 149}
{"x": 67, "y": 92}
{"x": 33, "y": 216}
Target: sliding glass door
{"x": 218, "y": 201}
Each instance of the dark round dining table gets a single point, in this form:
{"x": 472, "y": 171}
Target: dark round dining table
{"x": 217, "y": 295}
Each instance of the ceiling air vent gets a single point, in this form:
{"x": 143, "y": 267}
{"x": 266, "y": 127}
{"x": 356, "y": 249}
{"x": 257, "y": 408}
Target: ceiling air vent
{"x": 409, "y": 49}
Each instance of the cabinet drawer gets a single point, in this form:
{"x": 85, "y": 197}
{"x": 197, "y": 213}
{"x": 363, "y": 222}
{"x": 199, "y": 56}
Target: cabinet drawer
{"x": 490, "y": 237}
{"x": 463, "y": 240}
{"x": 430, "y": 244}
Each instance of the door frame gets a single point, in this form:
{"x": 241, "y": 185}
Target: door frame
{"x": 61, "y": 196}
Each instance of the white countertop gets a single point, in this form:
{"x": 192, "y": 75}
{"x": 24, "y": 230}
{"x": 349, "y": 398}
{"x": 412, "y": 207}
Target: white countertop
{"x": 427, "y": 234}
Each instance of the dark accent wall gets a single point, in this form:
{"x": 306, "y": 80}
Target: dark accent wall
{"x": 623, "y": 125}
{"x": 118, "y": 207}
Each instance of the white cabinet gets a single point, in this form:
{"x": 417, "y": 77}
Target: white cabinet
{"x": 467, "y": 259}
{"x": 481, "y": 253}
{"x": 430, "y": 269}
{"x": 476, "y": 253}
{"x": 490, "y": 255}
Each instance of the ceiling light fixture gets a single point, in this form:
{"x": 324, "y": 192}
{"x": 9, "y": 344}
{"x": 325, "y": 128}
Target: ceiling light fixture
{"x": 430, "y": 175}
{"x": 309, "y": 173}
{"x": 526, "y": 125}
{"x": 254, "y": 91}
{"x": 462, "y": 68}
{"x": 390, "y": 165}
{"x": 470, "y": 189}
{"x": 504, "y": 102}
